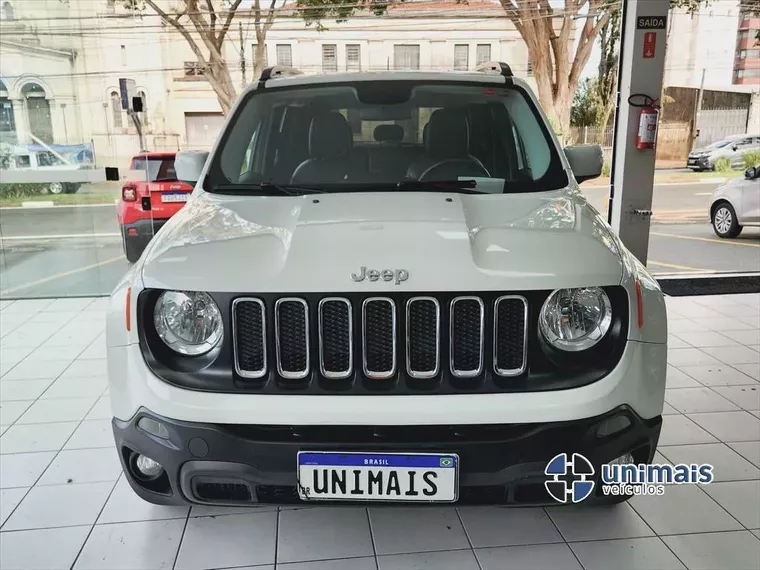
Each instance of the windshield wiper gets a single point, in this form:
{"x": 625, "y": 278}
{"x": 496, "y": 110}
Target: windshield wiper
{"x": 461, "y": 186}
{"x": 266, "y": 189}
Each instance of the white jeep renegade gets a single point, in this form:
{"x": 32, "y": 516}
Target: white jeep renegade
{"x": 385, "y": 287}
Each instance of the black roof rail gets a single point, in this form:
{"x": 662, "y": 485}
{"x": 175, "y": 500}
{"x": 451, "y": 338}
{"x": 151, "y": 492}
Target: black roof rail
{"x": 495, "y": 67}
{"x": 277, "y": 71}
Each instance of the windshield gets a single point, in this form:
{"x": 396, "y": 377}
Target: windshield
{"x": 158, "y": 169}
{"x": 387, "y": 135}
{"x": 721, "y": 143}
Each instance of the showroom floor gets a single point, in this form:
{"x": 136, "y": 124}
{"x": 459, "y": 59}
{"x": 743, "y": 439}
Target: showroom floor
{"x": 63, "y": 503}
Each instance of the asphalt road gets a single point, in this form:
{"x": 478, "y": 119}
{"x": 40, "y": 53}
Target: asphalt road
{"x": 77, "y": 250}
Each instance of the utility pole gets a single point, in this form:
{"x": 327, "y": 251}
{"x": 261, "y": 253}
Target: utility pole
{"x": 242, "y": 55}
{"x": 698, "y": 109}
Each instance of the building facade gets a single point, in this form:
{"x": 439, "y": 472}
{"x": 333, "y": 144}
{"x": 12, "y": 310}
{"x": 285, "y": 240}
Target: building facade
{"x": 747, "y": 64}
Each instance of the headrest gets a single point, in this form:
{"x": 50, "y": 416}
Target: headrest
{"x": 448, "y": 135}
{"x": 330, "y": 136}
{"x": 389, "y": 133}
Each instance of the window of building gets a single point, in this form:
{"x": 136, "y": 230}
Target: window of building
{"x": 284, "y": 55}
{"x": 530, "y": 68}
{"x": 744, "y": 73}
{"x": 329, "y": 58}
{"x": 265, "y": 54}
{"x": 144, "y": 113}
{"x": 116, "y": 113}
{"x": 482, "y": 53}
{"x": 353, "y": 57}
{"x": 406, "y": 56}
{"x": 7, "y": 121}
{"x": 7, "y": 12}
{"x": 461, "y": 56}
{"x": 193, "y": 69}
{"x": 38, "y": 112}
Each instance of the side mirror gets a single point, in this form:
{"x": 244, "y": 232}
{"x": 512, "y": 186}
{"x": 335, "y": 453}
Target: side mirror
{"x": 735, "y": 147}
{"x": 751, "y": 173}
{"x": 189, "y": 164}
{"x": 585, "y": 161}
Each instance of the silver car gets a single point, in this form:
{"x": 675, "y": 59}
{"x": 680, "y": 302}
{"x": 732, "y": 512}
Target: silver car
{"x": 736, "y": 204}
{"x": 732, "y": 147}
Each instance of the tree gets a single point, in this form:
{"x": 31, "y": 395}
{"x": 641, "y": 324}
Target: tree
{"x": 204, "y": 24}
{"x": 546, "y": 30}
{"x": 606, "y": 84}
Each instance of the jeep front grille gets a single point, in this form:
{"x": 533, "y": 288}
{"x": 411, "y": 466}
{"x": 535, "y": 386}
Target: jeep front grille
{"x": 372, "y": 343}
{"x": 291, "y": 335}
{"x": 249, "y": 337}
{"x": 336, "y": 346}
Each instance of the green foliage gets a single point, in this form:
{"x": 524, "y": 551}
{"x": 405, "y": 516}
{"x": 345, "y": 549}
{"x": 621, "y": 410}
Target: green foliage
{"x": 751, "y": 158}
{"x": 606, "y": 168}
{"x": 723, "y": 164}
{"x": 587, "y": 103}
{"x": 22, "y": 190}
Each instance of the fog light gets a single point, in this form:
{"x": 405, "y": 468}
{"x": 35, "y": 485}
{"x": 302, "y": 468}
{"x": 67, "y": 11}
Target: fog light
{"x": 626, "y": 459}
{"x": 153, "y": 427}
{"x": 147, "y": 467}
{"x": 613, "y": 425}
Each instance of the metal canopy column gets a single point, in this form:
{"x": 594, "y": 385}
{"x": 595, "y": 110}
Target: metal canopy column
{"x": 642, "y": 60}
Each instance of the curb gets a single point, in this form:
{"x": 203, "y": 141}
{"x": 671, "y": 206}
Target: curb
{"x": 49, "y": 204}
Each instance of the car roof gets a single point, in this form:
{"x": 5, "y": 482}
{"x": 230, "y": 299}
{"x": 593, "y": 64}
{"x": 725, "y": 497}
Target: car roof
{"x": 395, "y": 75}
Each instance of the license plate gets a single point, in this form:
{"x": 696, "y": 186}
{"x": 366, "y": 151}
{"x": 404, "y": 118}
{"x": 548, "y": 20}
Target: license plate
{"x": 175, "y": 197}
{"x": 417, "y": 477}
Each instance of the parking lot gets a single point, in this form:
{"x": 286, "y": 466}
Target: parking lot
{"x": 77, "y": 249}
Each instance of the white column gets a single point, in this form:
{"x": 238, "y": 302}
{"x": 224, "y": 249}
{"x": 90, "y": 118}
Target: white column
{"x": 633, "y": 169}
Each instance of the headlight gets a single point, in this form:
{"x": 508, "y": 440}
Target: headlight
{"x": 189, "y": 322}
{"x": 575, "y": 319}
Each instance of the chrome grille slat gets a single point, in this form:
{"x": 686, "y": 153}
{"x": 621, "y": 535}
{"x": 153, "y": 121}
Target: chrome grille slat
{"x": 467, "y": 318}
{"x": 336, "y": 338}
{"x": 423, "y": 337}
{"x": 510, "y": 331}
{"x": 291, "y": 333}
{"x": 285, "y": 331}
{"x": 379, "y": 337}
{"x": 249, "y": 337}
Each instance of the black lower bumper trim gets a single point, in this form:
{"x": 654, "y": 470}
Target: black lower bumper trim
{"x": 219, "y": 464}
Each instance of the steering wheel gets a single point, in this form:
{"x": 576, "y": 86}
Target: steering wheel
{"x": 459, "y": 167}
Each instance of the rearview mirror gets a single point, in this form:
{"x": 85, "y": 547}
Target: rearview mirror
{"x": 750, "y": 173}
{"x": 585, "y": 161}
{"x": 189, "y": 164}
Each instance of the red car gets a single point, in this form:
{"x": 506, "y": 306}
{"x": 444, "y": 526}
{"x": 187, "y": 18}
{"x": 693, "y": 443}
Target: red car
{"x": 147, "y": 204}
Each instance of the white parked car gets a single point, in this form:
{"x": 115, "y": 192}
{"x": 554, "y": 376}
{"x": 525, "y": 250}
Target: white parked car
{"x": 385, "y": 287}
{"x": 736, "y": 204}
{"x": 733, "y": 148}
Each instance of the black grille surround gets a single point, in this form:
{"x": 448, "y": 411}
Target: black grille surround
{"x": 330, "y": 365}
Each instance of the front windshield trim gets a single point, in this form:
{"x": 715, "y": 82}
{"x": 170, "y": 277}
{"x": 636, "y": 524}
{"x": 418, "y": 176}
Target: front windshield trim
{"x": 554, "y": 178}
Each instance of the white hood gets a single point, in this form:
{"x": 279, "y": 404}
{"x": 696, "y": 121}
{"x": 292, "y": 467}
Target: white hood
{"x": 448, "y": 242}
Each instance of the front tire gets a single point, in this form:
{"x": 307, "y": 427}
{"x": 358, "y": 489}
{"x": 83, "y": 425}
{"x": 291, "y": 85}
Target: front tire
{"x": 724, "y": 221}
{"x": 70, "y": 188}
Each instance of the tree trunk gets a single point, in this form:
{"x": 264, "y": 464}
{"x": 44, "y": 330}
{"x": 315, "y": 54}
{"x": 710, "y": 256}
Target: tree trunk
{"x": 259, "y": 57}
{"x": 217, "y": 74}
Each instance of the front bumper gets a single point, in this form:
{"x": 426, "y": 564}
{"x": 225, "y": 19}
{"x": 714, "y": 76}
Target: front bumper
{"x": 232, "y": 464}
{"x": 700, "y": 162}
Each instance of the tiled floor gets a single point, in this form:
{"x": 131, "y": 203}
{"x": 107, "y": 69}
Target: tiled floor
{"x": 64, "y": 504}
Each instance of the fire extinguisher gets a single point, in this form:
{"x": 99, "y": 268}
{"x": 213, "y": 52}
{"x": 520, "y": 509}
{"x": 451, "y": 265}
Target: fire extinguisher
{"x": 648, "y": 116}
